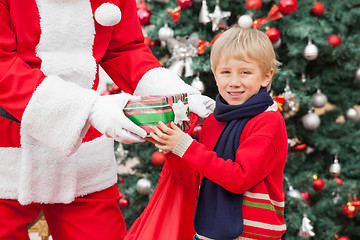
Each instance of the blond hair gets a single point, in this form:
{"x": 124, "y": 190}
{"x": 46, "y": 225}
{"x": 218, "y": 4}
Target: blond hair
{"x": 240, "y": 43}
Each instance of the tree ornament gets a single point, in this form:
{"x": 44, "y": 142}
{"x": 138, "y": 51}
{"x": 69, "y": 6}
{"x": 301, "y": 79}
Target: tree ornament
{"x": 349, "y": 210}
{"x": 311, "y": 121}
{"x": 196, "y": 132}
{"x": 158, "y": 158}
{"x": 219, "y": 17}
{"x": 319, "y": 99}
{"x": 165, "y": 33}
{"x": 342, "y": 238}
{"x": 184, "y": 4}
{"x": 273, "y": 34}
{"x": 294, "y": 193}
{"x": 245, "y": 21}
{"x": 273, "y": 14}
{"x": 287, "y": 7}
{"x": 143, "y": 186}
{"x": 121, "y": 154}
{"x": 303, "y": 78}
{"x": 306, "y": 230}
{"x": 107, "y": 14}
{"x": 204, "y": 13}
{"x": 335, "y": 167}
{"x": 253, "y": 5}
{"x": 306, "y": 197}
{"x": 144, "y": 16}
{"x": 277, "y": 44}
{"x": 121, "y": 180}
{"x": 183, "y": 50}
{"x": 339, "y": 181}
{"x": 334, "y": 40}
{"x": 357, "y": 74}
{"x": 352, "y": 114}
{"x": 123, "y": 203}
{"x": 317, "y": 10}
{"x": 289, "y": 98}
{"x": 318, "y": 183}
{"x": 198, "y": 84}
{"x": 311, "y": 51}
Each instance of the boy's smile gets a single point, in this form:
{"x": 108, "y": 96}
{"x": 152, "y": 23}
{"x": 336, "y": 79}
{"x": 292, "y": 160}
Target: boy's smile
{"x": 238, "y": 80}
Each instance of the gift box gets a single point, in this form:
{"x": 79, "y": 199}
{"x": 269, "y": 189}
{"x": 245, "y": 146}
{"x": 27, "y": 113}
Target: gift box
{"x": 148, "y": 111}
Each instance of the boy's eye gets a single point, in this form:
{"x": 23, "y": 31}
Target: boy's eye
{"x": 225, "y": 72}
{"x": 245, "y": 72}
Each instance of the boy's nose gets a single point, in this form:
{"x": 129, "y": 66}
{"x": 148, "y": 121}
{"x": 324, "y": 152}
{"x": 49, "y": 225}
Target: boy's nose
{"x": 234, "y": 81}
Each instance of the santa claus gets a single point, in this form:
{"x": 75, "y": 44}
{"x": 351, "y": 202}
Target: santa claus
{"x": 56, "y": 132}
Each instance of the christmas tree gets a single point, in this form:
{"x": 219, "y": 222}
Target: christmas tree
{"x": 317, "y": 89}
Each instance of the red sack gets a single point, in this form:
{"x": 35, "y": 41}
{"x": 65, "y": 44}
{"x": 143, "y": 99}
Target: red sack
{"x": 170, "y": 211}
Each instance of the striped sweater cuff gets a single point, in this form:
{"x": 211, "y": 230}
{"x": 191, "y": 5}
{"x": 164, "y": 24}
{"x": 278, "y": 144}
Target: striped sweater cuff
{"x": 182, "y": 145}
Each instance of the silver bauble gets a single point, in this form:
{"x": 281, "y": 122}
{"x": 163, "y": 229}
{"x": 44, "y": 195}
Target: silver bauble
{"x": 165, "y": 33}
{"x": 352, "y": 114}
{"x": 311, "y": 121}
{"x": 357, "y": 75}
{"x": 319, "y": 99}
{"x": 294, "y": 193}
{"x": 143, "y": 186}
{"x": 245, "y": 21}
{"x": 198, "y": 84}
{"x": 311, "y": 51}
{"x": 277, "y": 44}
{"x": 335, "y": 168}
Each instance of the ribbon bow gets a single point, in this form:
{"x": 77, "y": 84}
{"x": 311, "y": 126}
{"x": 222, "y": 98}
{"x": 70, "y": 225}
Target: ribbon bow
{"x": 273, "y": 14}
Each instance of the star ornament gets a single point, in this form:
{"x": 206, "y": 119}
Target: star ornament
{"x": 218, "y": 18}
{"x": 180, "y": 111}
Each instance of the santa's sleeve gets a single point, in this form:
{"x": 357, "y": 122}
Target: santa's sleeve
{"x": 132, "y": 66}
{"x": 18, "y": 80}
{"x": 51, "y": 110}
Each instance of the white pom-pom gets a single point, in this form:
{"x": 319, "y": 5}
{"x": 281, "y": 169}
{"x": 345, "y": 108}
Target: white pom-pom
{"x": 108, "y": 14}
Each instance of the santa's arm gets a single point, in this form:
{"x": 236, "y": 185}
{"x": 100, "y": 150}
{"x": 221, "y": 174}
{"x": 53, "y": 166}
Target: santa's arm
{"x": 132, "y": 66}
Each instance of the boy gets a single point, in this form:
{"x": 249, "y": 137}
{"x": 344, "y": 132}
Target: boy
{"x": 242, "y": 149}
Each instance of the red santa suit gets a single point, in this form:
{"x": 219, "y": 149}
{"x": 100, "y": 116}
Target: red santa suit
{"x": 49, "y": 57}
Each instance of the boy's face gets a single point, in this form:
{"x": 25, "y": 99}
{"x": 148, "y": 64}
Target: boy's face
{"x": 238, "y": 80}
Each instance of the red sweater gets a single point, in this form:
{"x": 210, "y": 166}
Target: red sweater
{"x": 257, "y": 172}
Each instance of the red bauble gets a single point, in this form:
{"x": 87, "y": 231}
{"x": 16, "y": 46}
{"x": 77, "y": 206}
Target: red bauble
{"x": 185, "y": 3}
{"x": 339, "y": 180}
{"x": 253, "y": 4}
{"x": 318, "y": 184}
{"x": 123, "y": 203}
{"x": 342, "y": 238}
{"x": 105, "y": 92}
{"x": 287, "y": 7}
{"x": 158, "y": 158}
{"x": 306, "y": 197}
{"x": 121, "y": 195}
{"x": 115, "y": 89}
{"x": 273, "y": 34}
{"x": 121, "y": 180}
{"x": 349, "y": 211}
{"x": 196, "y": 132}
{"x": 317, "y": 10}
{"x": 149, "y": 42}
{"x": 144, "y": 16}
{"x": 334, "y": 40}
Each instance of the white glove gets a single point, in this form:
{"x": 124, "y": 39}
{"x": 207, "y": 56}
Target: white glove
{"x": 107, "y": 116}
{"x": 201, "y": 105}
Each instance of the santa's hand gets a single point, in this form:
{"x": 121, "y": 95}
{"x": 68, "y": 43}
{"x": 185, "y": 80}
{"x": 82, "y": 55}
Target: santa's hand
{"x": 107, "y": 117}
{"x": 201, "y": 105}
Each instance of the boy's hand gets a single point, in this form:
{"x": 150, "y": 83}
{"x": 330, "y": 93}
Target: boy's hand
{"x": 166, "y": 137}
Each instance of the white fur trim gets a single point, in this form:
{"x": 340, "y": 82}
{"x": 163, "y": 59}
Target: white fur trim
{"x": 108, "y": 14}
{"x": 66, "y": 41}
{"x": 57, "y": 115}
{"x": 161, "y": 81}
{"x": 272, "y": 107}
{"x": 93, "y": 168}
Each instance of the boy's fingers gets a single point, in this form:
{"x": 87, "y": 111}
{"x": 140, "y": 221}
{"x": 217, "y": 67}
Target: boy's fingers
{"x": 164, "y": 128}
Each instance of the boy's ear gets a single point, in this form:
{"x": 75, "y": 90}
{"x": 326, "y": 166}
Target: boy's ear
{"x": 267, "y": 78}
